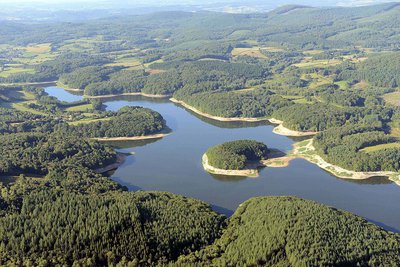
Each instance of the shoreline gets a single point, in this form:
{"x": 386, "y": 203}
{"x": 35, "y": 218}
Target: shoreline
{"x": 251, "y": 172}
{"x": 216, "y": 117}
{"x": 280, "y": 129}
{"x": 126, "y": 94}
{"x": 121, "y": 157}
{"x": 305, "y": 150}
{"x": 133, "y": 138}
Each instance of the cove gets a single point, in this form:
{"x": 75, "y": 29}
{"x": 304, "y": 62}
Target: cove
{"x": 173, "y": 164}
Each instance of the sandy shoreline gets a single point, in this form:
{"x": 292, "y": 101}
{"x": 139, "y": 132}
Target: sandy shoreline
{"x": 126, "y": 94}
{"x": 307, "y": 152}
{"x": 133, "y": 138}
{"x": 244, "y": 173}
{"x": 215, "y": 117}
{"x": 280, "y": 129}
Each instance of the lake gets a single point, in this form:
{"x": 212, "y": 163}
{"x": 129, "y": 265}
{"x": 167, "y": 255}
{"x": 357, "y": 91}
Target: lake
{"x": 173, "y": 164}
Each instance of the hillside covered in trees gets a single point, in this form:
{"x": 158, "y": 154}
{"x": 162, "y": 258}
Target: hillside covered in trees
{"x": 330, "y": 70}
{"x": 287, "y": 231}
{"x": 236, "y": 155}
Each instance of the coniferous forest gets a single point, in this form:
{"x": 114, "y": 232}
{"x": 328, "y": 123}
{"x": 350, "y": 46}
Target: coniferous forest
{"x": 332, "y": 71}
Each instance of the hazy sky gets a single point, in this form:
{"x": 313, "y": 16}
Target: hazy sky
{"x": 318, "y": 2}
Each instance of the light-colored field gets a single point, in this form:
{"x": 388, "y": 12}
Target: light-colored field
{"x": 126, "y": 62}
{"x": 84, "y": 107}
{"x": 14, "y": 70}
{"x": 87, "y": 121}
{"x": 310, "y": 63}
{"x": 344, "y": 85}
{"x": 372, "y": 149}
{"x": 272, "y": 49}
{"x": 21, "y": 106}
{"x": 361, "y": 85}
{"x": 316, "y": 80}
{"x": 312, "y": 52}
{"x": 39, "y": 48}
{"x": 393, "y": 98}
{"x": 250, "y": 52}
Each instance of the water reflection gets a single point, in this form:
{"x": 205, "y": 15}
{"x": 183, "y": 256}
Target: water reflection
{"x": 173, "y": 164}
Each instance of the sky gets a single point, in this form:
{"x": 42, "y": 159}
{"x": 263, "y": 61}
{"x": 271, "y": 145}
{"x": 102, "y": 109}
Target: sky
{"x": 320, "y": 2}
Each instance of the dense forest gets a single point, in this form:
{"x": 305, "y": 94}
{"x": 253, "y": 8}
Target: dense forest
{"x": 334, "y": 71}
{"x": 236, "y": 155}
{"x": 126, "y": 122}
{"x": 287, "y": 231}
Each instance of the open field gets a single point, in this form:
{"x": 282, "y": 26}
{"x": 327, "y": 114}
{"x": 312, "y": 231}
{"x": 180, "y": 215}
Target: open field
{"x": 250, "y": 52}
{"x": 316, "y": 80}
{"x": 393, "y": 98}
{"x": 84, "y": 107}
{"x": 39, "y": 48}
{"x": 87, "y": 121}
{"x": 322, "y": 63}
{"x": 372, "y": 149}
{"x": 14, "y": 70}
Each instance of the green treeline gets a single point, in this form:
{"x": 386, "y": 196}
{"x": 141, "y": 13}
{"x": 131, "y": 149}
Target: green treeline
{"x": 381, "y": 70}
{"x": 341, "y": 146}
{"x": 52, "y": 69}
{"x": 37, "y": 153}
{"x": 58, "y": 227}
{"x": 126, "y": 122}
{"x": 173, "y": 76}
{"x": 287, "y": 231}
{"x": 317, "y": 117}
{"x": 236, "y": 154}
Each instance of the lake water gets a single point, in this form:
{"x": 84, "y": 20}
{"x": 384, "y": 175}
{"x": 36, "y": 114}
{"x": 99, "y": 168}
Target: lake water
{"x": 173, "y": 164}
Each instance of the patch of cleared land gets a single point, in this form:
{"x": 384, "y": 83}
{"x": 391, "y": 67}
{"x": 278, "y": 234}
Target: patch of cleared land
{"x": 393, "y": 98}
{"x": 322, "y": 63}
{"x": 372, "y": 149}
{"x": 87, "y": 121}
{"x": 84, "y": 107}
{"x": 7, "y": 71}
{"x": 250, "y": 52}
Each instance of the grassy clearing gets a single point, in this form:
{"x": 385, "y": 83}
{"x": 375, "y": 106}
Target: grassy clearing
{"x": 272, "y": 49}
{"x": 250, "y": 52}
{"x": 87, "y": 121}
{"x": 323, "y": 63}
{"x": 372, "y": 149}
{"x": 313, "y": 52}
{"x": 316, "y": 80}
{"x": 393, "y": 98}
{"x": 39, "y": 48}
{"x": 21, "y": 106}
{"x": 344, "y": 85}
{"x": 14, "y": 70}
{"x": 126, "y": 62}
{"x": 84, "y": 107}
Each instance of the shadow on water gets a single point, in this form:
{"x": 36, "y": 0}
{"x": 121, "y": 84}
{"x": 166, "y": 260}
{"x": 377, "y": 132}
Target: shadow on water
{"x": 377, "y": 180}
{"x": 384, "y": 226}
{"x": 173, "y": 164}
{"x": 228, "y": 178}
{"x": 222, "y": 210}
{"x": 133, "y": 98}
